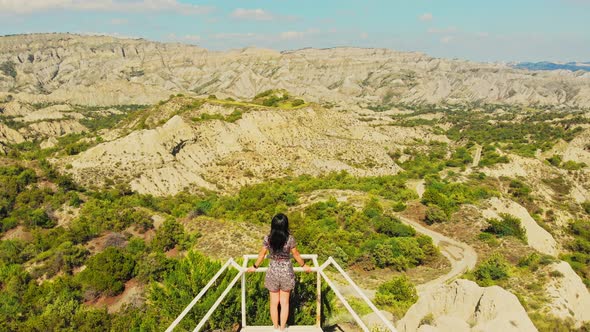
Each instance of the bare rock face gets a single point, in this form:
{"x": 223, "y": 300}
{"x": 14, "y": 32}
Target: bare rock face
{"x": 537, "y": 237}
{"x": 94, "y": 70}
{"x": 569, "y": 296}
{"x": 9, "y": 135}
{"x": 464, "y": 306}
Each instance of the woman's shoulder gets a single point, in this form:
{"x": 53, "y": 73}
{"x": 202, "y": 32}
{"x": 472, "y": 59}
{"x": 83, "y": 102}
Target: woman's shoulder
{"x": 291, "y": 240}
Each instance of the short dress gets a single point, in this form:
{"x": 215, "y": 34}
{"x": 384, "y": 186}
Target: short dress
{"x": 280, "y": 274}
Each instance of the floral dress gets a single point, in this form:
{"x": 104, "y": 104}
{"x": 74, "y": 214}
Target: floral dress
{"x": 280, "y": 274}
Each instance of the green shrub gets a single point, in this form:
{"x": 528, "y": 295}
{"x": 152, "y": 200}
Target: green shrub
{"x": 519, "y": 189}
{"x": 555, "y": 160}
{"x": 490, "y": 157}
{"x": 571, "y": 165}
{"x": 491, "y": 270}
{"x": 106, "y": 272}
{"x": 488, "y": 238}
{"x": 297, "y": 102}
{"x": 448, "y": 196}
{"x": 397, "y": 292}
{"x": 508, "y": 225}
{"x": 169, "y": 235}
{"x": 586, "y": 207}
{"x": 8, "y": 68}
{"x": 460, "y": 157}
{"x": 534, "y": 260}
{"x": 393, "y": 227}
{"x": 434, "y": 214}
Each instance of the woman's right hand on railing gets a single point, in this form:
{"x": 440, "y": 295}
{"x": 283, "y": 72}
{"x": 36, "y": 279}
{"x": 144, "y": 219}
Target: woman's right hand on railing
{"x": 251, "y": 269}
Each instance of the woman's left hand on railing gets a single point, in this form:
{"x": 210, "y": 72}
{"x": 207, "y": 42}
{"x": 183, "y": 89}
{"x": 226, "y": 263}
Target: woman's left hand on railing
{"x": 251, "y": 269}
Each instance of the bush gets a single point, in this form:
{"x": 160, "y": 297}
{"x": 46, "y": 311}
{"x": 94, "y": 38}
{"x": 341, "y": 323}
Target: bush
{"x": 297, "y": 102}
{"x": 168, "y": 235}
{"x": 399, "y": 291}
{"x": 586, "y": 207}
{"x": 434, "y": 214}
{"x": 508, "y": 226}
{"x": 555, "y": 160}
{"x": 392, "y": 226}
{"x": 9, "y": 68}
{"x": 571, "y": 165}
{"x": 519, "y": 189}
{"x": 493, "y": 269}
{"x": 107, "y": 272}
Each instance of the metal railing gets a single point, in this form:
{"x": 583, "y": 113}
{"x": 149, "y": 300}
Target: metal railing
{"x": 319, "y": 269}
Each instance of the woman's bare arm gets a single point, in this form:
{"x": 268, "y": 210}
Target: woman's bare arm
{"x": 261, "y": 255}
{"x": 299, "y": 260}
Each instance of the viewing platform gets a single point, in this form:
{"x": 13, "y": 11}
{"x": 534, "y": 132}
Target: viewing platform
{"x": 296, "y": 328}
{"x": 318, "y": 269}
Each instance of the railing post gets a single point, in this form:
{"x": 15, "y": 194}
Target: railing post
{"x": 318, "y": 319}
{"x": 244, "y": 266}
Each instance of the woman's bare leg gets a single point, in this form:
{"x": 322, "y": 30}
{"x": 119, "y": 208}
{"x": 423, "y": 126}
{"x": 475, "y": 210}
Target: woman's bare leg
{"x": 274, "y": 309}
{"x": 284, "y": 299}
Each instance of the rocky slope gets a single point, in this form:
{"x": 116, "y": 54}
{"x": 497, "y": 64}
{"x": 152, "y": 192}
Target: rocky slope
{"x": 219, "y": 155}
{"x": 464, "y": 306}
{"x": 569, "y": 296}
{"x": 93, "y": 70}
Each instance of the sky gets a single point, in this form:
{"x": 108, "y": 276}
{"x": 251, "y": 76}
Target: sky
{"x": 478, "y": 30}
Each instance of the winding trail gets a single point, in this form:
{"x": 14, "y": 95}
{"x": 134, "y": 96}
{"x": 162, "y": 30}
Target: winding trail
{"x": 477, "y": 156}
{"x": 461, "y": 256}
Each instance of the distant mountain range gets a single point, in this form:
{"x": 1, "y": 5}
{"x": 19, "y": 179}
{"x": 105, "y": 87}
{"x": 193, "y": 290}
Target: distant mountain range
{"x": 101, "y": 70}
{"x": 545, "y": 65}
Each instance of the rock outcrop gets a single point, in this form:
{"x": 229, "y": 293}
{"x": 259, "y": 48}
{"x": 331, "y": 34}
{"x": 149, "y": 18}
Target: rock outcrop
{"x": 569, "y": 297}
{"x": 464, "y": 306}
{"x": 95, "y": 70}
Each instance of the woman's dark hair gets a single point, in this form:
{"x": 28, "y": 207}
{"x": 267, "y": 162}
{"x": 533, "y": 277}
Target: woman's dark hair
{"x": 279, "y": 232}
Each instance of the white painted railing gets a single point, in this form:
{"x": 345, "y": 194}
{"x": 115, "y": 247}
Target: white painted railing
{"x": 319, "y": 269}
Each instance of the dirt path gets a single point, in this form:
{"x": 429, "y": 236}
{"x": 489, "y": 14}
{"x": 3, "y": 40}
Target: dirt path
{"x": 476, "y": 156}
{"x": 462, "y": 256}
{"x": 420, "y": 188}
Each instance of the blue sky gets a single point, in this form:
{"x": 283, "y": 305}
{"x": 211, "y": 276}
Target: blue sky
{"x": 501, "y": 30}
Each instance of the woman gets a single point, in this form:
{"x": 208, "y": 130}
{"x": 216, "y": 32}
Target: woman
{"x": 280, "y": 278}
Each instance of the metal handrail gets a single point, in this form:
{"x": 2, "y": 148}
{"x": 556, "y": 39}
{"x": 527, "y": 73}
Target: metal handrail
{"x": 319, "y": 269}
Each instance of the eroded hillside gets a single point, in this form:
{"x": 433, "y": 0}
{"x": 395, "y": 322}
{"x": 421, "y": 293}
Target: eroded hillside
{"x": 91, "y": 70}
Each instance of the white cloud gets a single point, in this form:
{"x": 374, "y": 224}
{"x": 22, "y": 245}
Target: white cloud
{"x": 185, "y": 38}
{"x": 193, "y": 38}
{"x": 119, "y": 21}
{"x": 425, "y": 17}
{"x": 292, "y": 35}
{"x": 442, "y": 30}
{"x": 22, "y": 7}
{"x": 234, "y": 35}
{"x": 446, "y": 39}
{"x": 252, "y": 14}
